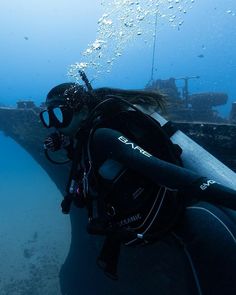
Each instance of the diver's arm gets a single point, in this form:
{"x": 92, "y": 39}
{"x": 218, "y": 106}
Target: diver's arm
{"x": 112, "y": 144}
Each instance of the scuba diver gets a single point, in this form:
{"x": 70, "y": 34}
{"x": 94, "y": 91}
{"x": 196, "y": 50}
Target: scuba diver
{"x": 129, "y": 176}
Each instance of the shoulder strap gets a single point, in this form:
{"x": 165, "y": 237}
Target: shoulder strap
{"x": 153, "y": 135}
{"x": 169, "y": 128}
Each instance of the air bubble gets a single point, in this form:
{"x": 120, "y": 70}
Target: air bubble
{"x": 88, "y": 51}
{"x": 82, "y": 65}
{"x": 129, "y": 24}
{"x": 140, "y": 18}
{"x": 124, "y": 22}
{"x": 97, "y": 45}
{"x": 107, "y": 22}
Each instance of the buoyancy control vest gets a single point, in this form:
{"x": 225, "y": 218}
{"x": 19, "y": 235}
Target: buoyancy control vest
{"x": 128, "y": 203}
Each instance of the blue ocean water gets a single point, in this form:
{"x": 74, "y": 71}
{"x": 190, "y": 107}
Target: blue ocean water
{"x": 34, "y": 235}
{"x": 39, "y": 42}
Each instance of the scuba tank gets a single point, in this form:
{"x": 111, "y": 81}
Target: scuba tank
{"x": 197, "y": 159}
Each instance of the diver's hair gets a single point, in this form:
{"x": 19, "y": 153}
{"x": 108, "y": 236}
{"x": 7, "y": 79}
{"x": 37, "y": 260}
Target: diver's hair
{"x": 145, "y": 99}
{"x": 76, "y": 96}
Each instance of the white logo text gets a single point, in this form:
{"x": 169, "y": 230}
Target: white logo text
{"x": 134, "y": 147}
{"x": 207, "y": 184}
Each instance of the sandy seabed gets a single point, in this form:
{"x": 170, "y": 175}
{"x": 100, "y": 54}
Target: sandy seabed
{"x": 34, "y": 235}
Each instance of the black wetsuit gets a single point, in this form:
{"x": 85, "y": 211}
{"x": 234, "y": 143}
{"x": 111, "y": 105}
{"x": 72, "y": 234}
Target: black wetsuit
{"x": 205, "y": 232}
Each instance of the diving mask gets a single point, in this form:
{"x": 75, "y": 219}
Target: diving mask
{"x": 58, "y": 117}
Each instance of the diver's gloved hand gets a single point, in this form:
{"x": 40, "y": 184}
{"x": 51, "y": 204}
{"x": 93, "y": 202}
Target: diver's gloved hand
{"x": 66, "y": 204}
{"x": 56, "y": 141}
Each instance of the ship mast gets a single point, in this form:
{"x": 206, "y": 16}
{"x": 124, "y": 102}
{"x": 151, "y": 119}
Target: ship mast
{"x": 185, "y": 88}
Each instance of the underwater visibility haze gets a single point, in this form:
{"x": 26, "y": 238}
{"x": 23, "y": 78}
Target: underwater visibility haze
{"x": 45, "y": 43}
